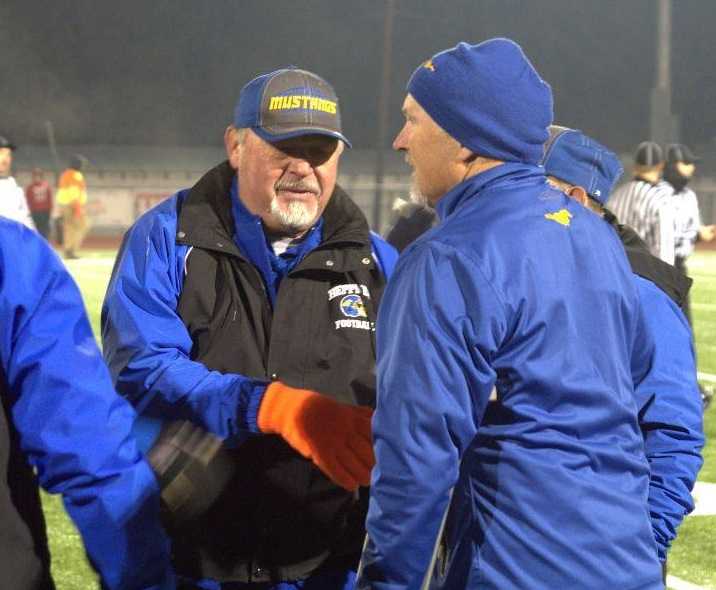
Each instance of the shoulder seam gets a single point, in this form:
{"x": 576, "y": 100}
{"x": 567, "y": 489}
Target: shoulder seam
{"x": 474, "y": 262}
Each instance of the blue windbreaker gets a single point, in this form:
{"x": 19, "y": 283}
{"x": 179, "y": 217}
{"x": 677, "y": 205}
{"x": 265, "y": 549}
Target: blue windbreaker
{"x": 73, "y": 428}
{"x": 148, "y": 347}
{"x": 671, "y": 414}
{"x": 523, "y": 292}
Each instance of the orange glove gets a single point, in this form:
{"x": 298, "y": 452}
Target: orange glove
{"x": 335, "y": 436}
{"x": 77, "y": 210}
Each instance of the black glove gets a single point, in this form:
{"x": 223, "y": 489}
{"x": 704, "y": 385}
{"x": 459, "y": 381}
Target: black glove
{"x": 192, "y": 467}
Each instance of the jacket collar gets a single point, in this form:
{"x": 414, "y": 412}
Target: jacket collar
{"x": 668, "y": 278}
{"x": 508, "y": 172}
{"x": 206, "y": 218}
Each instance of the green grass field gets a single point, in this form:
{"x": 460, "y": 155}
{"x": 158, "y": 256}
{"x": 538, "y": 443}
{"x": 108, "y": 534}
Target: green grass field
{"x": 693, "y": 557}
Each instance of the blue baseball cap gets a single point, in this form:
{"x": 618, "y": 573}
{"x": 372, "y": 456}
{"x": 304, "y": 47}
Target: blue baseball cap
{"x": 573, "y": 157}
{"x": 289, "y": 103}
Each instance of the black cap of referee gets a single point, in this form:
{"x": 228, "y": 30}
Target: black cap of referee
{"x": 648, "y": 154}
{"x": 678, "y": 152}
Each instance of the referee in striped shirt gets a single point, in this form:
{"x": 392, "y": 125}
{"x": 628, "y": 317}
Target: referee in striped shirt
{"x": 679, "y": 170}
{"x": 646, "y": 205}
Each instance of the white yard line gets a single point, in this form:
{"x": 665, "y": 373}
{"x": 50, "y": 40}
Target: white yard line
{"x": 674, "y": 583}
{"x": 706, "y": 377}
{"x": 103, "y": 262}
{"x": 704, "y": 496}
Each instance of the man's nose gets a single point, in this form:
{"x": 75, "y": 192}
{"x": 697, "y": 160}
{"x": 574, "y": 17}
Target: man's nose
{"x": 399, "y": 142}
{"x": 300, "y": 166}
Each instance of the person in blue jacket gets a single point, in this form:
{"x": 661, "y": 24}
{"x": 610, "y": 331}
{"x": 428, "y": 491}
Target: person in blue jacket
{"x": 63, "y": 427}
{"x": 506, "y": 436}
{"x": 668, "y": 398}
{"x": 245, "y": 307}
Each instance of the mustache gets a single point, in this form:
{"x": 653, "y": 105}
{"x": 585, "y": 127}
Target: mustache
{"x": 301, "y": 186}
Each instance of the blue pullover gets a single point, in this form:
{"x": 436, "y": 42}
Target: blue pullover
{"x": 506, "y": 398}
{"x": 73, "y": 428}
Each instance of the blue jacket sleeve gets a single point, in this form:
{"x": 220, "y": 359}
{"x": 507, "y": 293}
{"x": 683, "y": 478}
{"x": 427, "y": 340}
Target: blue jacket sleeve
{"x": 670, "y": 415}
{"x": 148, "y": 347}
{"x": 73, "y": 427}
{"x": 434, "y": 381}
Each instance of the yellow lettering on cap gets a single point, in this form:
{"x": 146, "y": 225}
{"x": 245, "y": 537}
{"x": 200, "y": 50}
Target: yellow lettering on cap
{"x": 429, "y": 65}
{"x": 298, "y": 101}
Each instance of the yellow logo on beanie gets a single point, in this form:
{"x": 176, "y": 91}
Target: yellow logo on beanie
{"x": 562, "y": 217}
{"x": 429, "y": 65}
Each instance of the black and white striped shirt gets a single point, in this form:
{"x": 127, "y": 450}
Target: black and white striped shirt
{"x": 688, "y": 222}
{"x": 649, "y": 210}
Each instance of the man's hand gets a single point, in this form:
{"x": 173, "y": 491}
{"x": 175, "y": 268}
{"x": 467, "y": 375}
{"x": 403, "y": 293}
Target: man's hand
{"x": 707, "y": 232}
{"x": 335, "y": 436}
{"x": 192, "y": 467}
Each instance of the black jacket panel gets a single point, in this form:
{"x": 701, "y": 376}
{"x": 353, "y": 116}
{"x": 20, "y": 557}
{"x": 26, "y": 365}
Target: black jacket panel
{"x": 279, "y": 518}
{"x": 24, "y": 554}
{"x": 643, "y": 263}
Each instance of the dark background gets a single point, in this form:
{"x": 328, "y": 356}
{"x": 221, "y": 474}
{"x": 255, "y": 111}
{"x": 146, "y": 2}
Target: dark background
{"x": 167, "y": 72}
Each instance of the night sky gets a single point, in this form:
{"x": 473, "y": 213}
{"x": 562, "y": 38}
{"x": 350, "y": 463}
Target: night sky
{"x": 167, "y": 72}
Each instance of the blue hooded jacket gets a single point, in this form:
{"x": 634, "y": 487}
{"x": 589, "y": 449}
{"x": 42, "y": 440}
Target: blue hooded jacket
{"x": 73, "y": 428}
{"x": 505, "y": 394}
{"x": 670, "y": 414}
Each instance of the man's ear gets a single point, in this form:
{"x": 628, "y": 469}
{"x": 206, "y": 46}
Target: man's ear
{"x": 579, "y": 195}
{"x": 466, "y": 156}
{"x": 232, "y": 145}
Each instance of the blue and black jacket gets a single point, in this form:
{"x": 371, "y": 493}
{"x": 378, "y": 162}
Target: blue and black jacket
{"x": 195, "y": 328}
{"x": 670, "y": 407}
{"x": 64, "y": 428}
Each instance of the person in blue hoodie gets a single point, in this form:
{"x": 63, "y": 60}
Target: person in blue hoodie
{"x": 506, "y": 436}
{"x": 244, "y": 308}
{"x": 670, "y": 408}
{"x": 64, "y": 428}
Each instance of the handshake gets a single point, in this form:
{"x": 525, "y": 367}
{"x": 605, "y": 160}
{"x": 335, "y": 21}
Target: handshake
{"x": 335, "y": 436}
{"x": 193, "y": 467}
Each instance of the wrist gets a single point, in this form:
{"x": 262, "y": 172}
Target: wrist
{"x": 279, "y": 403}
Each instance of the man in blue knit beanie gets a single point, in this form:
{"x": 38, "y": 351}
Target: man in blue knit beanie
{"x": 508, "y": 452}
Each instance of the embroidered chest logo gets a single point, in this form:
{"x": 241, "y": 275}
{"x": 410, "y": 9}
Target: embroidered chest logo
{"x": 352, "y": 307}
{"x": 562, "y": 217}
{"x": 350, "y": 298}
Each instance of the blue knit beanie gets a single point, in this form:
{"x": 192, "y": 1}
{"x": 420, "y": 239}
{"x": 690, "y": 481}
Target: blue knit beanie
{"x": 488, "y": 97}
